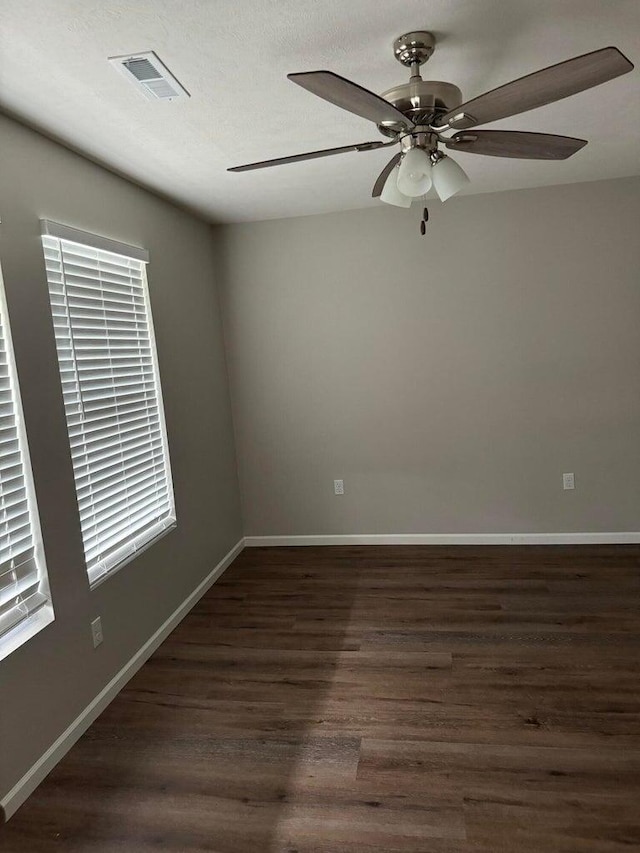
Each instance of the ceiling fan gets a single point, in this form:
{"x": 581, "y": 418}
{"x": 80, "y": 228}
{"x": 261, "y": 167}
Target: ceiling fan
{"x": 417, "y": 115}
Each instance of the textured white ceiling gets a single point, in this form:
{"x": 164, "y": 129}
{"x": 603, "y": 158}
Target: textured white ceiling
{"x": 233, "y": 56}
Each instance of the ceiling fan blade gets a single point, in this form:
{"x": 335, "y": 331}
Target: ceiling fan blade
{"x": 515, "y": 143}
{"x": 384, "y": 174}
{"x": 540, "y": 88}
{"x": 343, "y": 93}
{"x": 311, "y": 155}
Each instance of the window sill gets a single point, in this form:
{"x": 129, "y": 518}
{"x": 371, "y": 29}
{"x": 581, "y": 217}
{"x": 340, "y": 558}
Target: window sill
{"x": 22, "y": 633}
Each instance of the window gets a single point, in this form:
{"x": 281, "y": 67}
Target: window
{"x": 112, "y": 397}
{"x": 25, "y": 605}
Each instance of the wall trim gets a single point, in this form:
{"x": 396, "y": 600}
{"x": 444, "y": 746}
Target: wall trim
{"x": 621, "y": 538}
{"x": 58, "y": 749}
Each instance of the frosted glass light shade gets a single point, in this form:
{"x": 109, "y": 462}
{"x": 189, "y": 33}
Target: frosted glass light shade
{"x": 448, "y": 177}
{"x": 391, "y": 194}
{"x": 414, "y": 173}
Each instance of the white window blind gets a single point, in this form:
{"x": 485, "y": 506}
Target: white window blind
{"x": 112, "y": 397}
{"x": 23, "y": 583}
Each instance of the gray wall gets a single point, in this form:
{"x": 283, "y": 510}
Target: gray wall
{"x": 449, "y": 380}
{"x": 48, "y": 681}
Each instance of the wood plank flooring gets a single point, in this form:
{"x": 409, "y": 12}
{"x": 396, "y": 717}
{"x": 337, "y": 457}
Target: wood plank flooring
{"x": 372, "y": 700}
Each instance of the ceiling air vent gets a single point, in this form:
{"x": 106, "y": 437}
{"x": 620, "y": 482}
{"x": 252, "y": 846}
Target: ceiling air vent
{"x": 150, "y": 76}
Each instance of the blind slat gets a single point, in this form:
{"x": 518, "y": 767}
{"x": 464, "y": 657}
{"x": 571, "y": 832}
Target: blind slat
{"x": 107, "y": 476}
{"x": 111, "y": 502}
{"x": 114, "y": 486}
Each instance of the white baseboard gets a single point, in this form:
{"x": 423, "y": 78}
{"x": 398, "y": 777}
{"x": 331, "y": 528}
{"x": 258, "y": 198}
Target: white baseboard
{"x": 32, "y": 778}
{"x": 622, "y": 538}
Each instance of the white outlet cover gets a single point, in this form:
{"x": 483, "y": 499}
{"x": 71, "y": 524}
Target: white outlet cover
{"x": 568, "y": 481}
{"x": 96, "y": 632}
{"x": 338, "y": 487}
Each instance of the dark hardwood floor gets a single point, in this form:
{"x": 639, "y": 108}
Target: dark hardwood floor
{"x": 372, "y": 700}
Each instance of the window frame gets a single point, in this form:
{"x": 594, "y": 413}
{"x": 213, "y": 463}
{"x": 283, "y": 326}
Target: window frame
{"x": 69, "y": 235}
{"x": 34, "y": 622}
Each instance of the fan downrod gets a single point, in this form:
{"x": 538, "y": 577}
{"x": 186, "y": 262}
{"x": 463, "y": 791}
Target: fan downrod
{"x": 414, "y": 47}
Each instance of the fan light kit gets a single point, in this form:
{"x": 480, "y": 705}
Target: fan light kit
{"x": 417, "y": 115}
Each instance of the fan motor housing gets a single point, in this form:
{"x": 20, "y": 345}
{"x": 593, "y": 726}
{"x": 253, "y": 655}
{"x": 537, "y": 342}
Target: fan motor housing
{"x": 421, "y": 101}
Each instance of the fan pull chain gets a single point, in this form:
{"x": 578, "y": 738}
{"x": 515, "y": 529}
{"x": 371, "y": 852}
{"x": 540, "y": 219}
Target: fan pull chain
{"x": 424, "y": 220}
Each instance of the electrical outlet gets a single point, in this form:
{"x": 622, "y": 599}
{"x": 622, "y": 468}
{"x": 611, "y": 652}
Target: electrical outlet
{"x": 96, "y": 632}
{"x": 568, "y": 481}
{"x": 338, "y": 487}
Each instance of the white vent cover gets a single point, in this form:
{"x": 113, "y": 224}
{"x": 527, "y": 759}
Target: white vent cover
{"x": 150, "y": 76}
